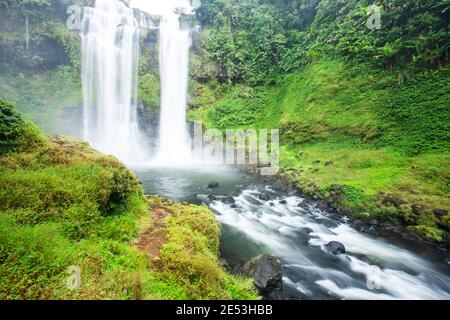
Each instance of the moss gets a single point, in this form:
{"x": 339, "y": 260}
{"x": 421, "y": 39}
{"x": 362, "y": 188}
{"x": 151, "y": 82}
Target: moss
{"x": 149, "y": 91}
{"x": 429, "y": 232}
{"x": 378, "y": 136}
{"x": 16, "y": 134}
{"x": 190, "y": 254}
{"x": 64, "y": 206}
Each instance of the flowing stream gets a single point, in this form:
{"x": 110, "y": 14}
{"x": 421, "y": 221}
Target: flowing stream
{"x": 257, "y": 219}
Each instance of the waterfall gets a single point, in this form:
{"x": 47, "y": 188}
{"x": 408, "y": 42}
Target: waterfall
{"x": 174, "y": 140}
{"x": 110, "y": 53}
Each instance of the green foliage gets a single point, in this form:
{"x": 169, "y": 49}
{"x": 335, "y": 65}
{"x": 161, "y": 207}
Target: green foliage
{"x": 380, "y": 133}
{"x": 16, "y": 134}
{"x": 48, "y": 188}
{"x": 245, "y": 39}
{"x": 149, "y": 91}
{"x": 44, "y": 97}
{"x": 63, "y": 204}
{"x": 253, "y": 41}
{"x": 190, "y": 254}
{"x": 354, "y": 195}
{"x": 34, "y": 36}
{"x": 417, "y": 114}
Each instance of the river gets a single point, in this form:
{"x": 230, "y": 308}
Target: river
{"x": 256, "y": 219}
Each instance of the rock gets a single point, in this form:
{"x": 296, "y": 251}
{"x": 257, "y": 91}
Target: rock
{"x": 335, "y": 247}
{"x": 233, "y": 206}
{"x": 283, "y": 202}
{"x": 211, "y": 197}
{"x": 328, "y": 163}
{"x": 266, "y": 272}
{"x": 336, "y": 187}
{"x": 439, "y": 213}
{"x": 213, "y": 185}
{"x": 390, "y": 201}
{"x": 224, "y": 263}
{"x": 272, "y": 204}
{"x": 278, "y": 295}
{"x": 264, "y": 197}
{"x": 228, "y": 200}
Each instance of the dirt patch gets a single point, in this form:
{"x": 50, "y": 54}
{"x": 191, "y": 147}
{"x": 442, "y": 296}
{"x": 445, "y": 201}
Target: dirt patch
{"x": 152, "y": 239}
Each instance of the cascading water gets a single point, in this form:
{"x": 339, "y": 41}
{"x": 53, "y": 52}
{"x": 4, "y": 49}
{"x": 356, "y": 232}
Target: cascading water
{"x": 174, "y": 140}
{"x": 110, "y": 52}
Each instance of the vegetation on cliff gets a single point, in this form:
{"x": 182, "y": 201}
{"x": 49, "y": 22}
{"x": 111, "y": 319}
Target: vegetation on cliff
{"x": 364, "y": 109}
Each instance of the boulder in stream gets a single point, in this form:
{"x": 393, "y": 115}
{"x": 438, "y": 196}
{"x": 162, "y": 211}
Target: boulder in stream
{"x": 263, "y": 197}
{"x": 213, "y": 185}
{"x": 266, "y": 272}
{"x": 335, "y": 247}
{"x": 228, "y": 200}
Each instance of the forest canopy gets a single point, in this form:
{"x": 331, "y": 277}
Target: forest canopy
{"x": 252, "y": 39}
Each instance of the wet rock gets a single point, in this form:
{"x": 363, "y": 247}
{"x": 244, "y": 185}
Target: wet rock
{"x": 283, "y": 202}
{"x": 211, "y": 197}
{"x": 224, "y": 263}
{"x": 336, "y": 187}
{"x": 233, "y": 206}
{"x": 439, "y": 213}
{"x": 228, "y": 200}
{"x": 335, "y": 247}
{"x": 213, "y": 185}
{"x": 279, "y": 295}
{"x": 266, "y": 272}
{"x": 264, "y": 197}
{"x": 272, "y": 204}
{"x": 328, "y": 163}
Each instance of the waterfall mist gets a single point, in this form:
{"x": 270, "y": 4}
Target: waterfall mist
{"x": 110, "y": 54}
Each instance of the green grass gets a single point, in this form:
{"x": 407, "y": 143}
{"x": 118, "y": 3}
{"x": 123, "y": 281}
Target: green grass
{"x": 386, "y": 134}
{"x": 149, "y": 91}
{"x": 63, "y": 204}
{"x": 240, "y": 106}
{"x": 190, "y": 255}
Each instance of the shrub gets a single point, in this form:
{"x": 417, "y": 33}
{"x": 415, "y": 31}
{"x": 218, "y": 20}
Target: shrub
{"x": 16, "y": 134}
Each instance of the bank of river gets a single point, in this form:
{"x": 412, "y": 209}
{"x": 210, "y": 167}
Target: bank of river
{"x": 256, "y": 218}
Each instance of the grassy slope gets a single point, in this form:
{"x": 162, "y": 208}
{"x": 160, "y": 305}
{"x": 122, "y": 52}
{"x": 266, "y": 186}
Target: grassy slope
{"x": 63, "y": 204}
{"x": 384, "y": 139}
